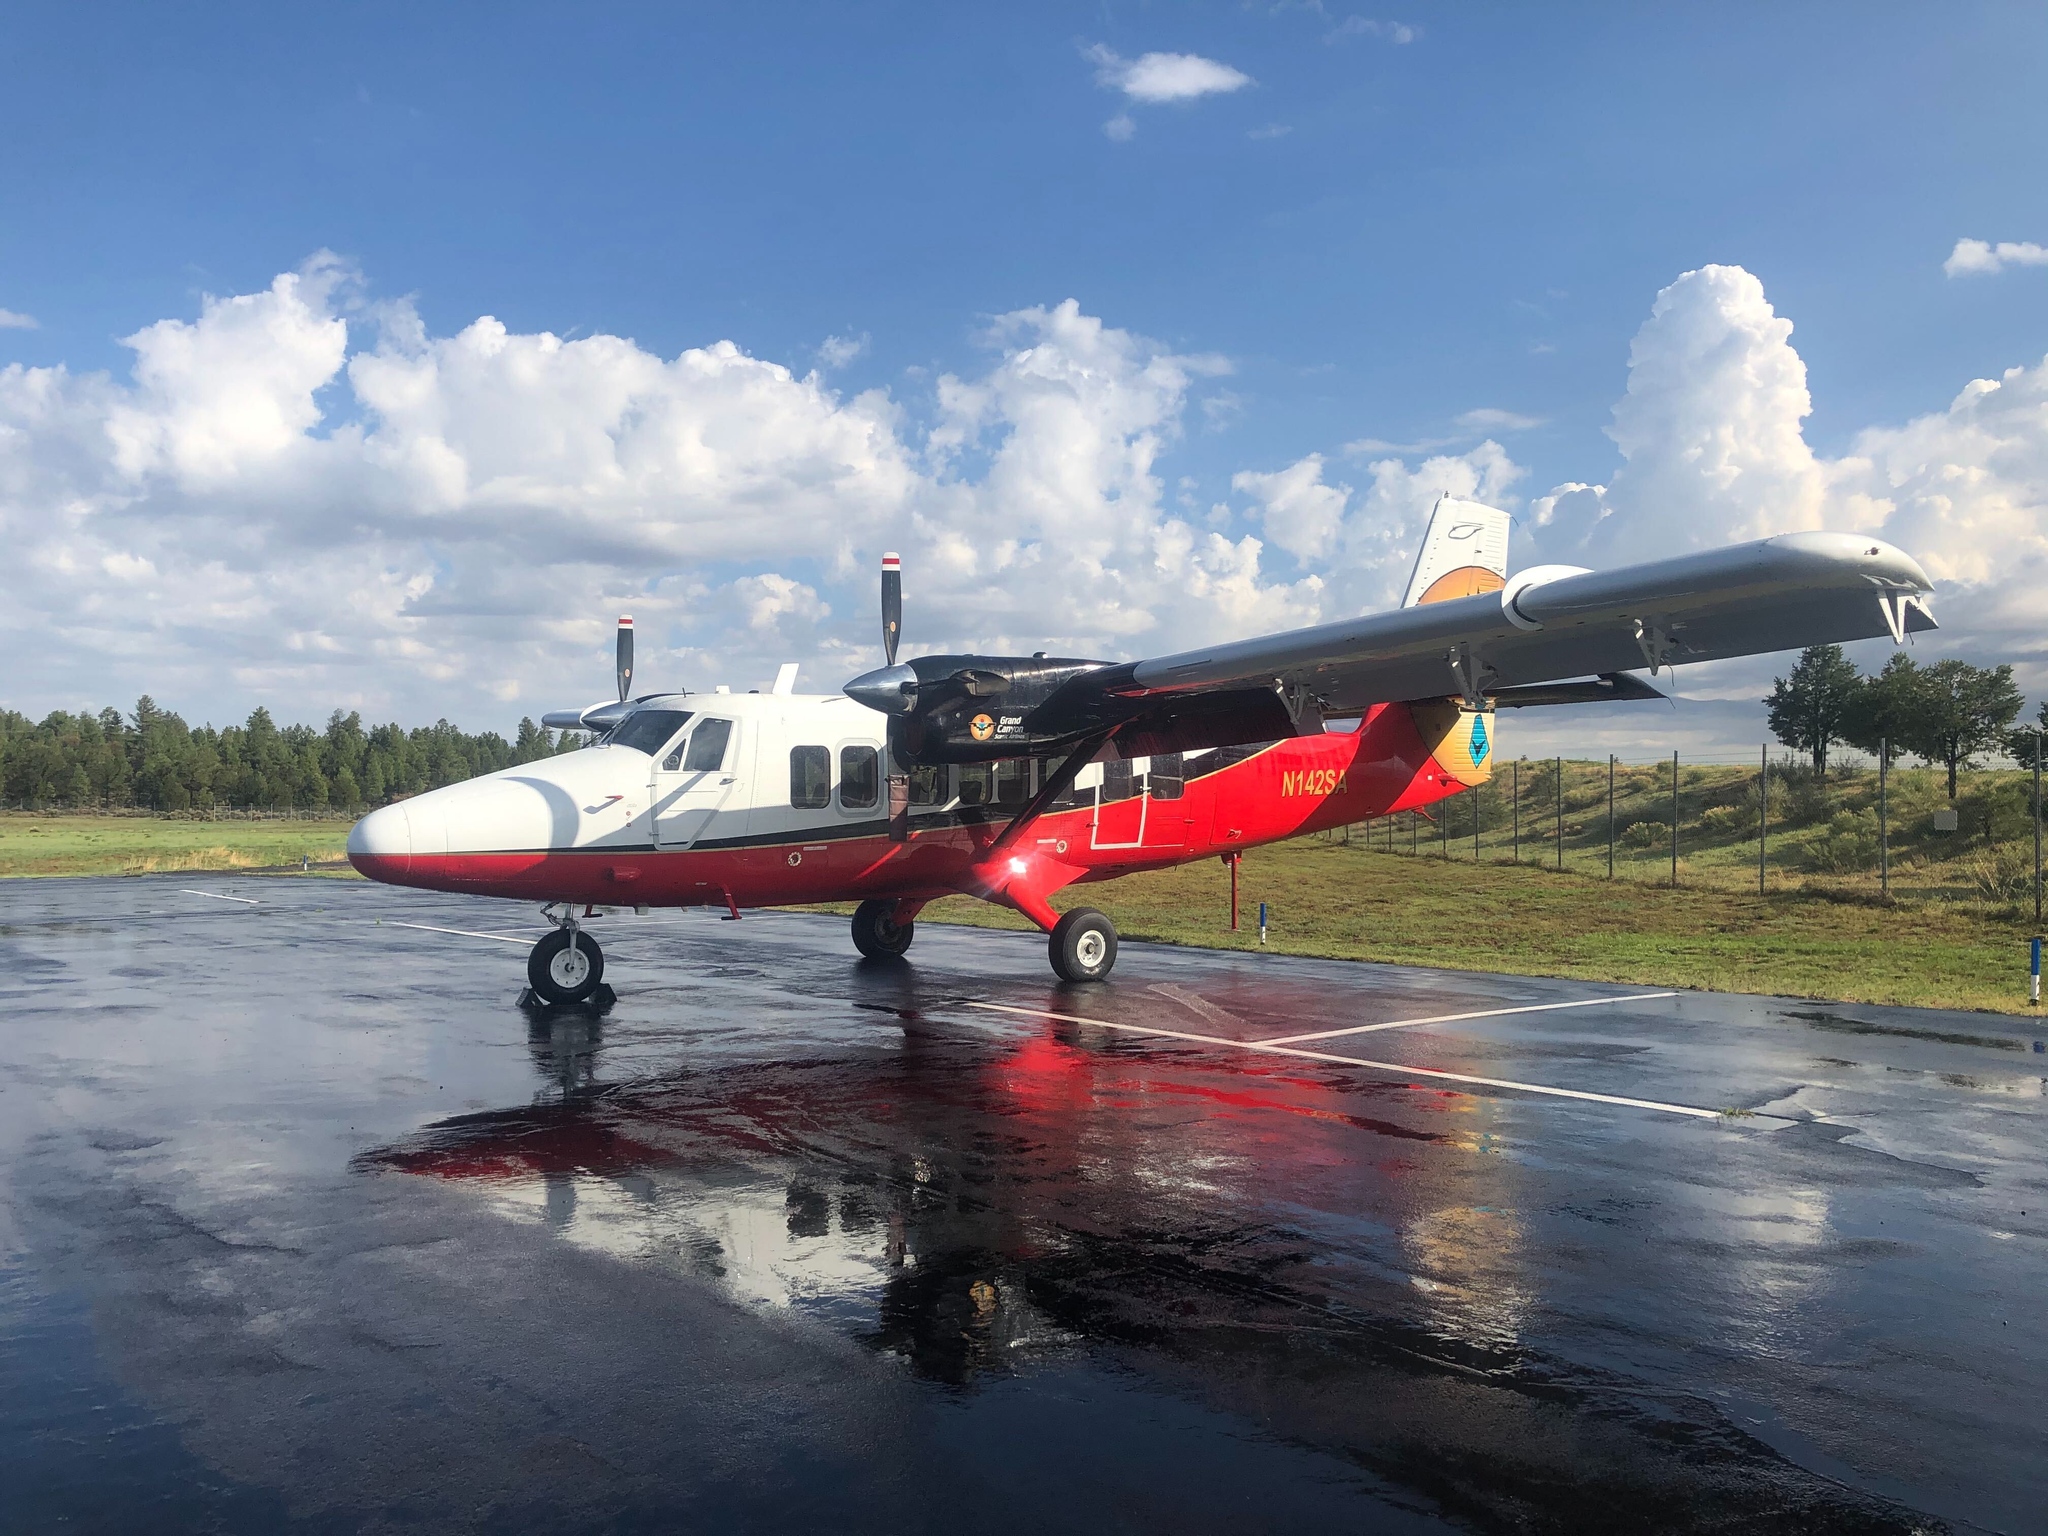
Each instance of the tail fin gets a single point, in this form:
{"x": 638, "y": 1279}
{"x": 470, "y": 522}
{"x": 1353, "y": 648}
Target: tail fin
{"x": 1465, "y": 552}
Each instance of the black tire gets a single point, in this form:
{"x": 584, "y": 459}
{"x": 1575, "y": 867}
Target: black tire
{"x": 556, "y": 977}
{"x": 877, "y": 934}
{"x": 1083, "y": 945}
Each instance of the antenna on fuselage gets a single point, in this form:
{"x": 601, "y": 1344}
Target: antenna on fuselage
{"x": 625, "y": 655}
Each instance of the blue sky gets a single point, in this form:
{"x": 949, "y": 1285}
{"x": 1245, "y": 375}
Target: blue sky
{"x": 1406, "y": 216}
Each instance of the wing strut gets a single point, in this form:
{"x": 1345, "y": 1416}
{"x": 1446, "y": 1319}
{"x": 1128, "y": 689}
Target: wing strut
{"x": 1052, "y": 788}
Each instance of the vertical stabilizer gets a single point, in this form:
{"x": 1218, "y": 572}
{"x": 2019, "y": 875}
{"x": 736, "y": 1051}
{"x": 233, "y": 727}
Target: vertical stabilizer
{"x": 1464, "y": 553}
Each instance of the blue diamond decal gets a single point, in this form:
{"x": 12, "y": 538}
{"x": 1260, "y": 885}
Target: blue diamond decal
{"x": 1478, "y": 739}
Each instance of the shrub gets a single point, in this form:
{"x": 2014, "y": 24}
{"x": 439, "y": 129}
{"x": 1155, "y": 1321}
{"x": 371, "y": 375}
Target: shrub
{"x": 1727, "y": 821}
{"x": 1647, "y": 833}
{"x": 2003, "y": 872}
{"x": 1849, "y": 843}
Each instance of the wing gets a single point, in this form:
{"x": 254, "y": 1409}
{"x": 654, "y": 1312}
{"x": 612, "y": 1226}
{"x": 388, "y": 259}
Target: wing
{"x": 1507, "y": 645}
{"x": 1557, "y": 622}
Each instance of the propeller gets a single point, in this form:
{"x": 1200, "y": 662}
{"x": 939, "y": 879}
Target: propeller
{"x": 892, "y": 689}
{"x": 892, "y": 605}
{"x": 598, "y": 718}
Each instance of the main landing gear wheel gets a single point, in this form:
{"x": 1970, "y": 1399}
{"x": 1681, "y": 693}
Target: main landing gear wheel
{"x": 877, "y": 934}
{"x": 1083, "y": 945}
{"x": 562, "y": 972}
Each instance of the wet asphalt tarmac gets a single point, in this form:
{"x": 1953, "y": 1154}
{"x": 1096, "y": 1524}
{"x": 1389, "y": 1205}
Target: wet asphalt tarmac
{"x": 305, "y": 1221}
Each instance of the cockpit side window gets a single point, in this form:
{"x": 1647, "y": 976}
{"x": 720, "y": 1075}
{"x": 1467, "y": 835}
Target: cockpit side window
{"x": 647, "y": 730}
{"x": 707, "y": 746}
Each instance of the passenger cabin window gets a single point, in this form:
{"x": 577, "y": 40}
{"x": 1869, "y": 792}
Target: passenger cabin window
{"x": 1067, "y": 798}
{"x": 860, "y": 776}
{"x": 976, "y": 782}
{"x": 1118, "y": 782}
{"x": 810, "y": 778}
{"x": 706, "y": 753}
{"x": 927, "y": 786}
{"x": 1168, "y": 778}
{"x": 1013, "y": 781}
{"x": 648, "y": 730}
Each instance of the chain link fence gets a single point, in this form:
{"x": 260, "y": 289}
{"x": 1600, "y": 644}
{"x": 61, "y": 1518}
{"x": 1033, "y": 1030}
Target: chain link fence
{"x": 1772, "y": 823}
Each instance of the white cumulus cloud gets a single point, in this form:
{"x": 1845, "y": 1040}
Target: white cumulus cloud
{"x": 1159, "y": 77}
{"x": 15, "y": 320}
{"x": 304, "y": 497}
{"x": 1972, "y": 257}
{"x": 1713, "y": 450}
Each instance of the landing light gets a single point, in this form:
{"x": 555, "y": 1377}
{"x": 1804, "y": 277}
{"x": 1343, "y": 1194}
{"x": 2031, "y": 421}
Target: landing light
{"x": 1016, "y": 866}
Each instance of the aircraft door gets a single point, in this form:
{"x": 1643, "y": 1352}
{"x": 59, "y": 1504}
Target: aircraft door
{"x": 1119, "y": 806}
{"x": 1168, "y": 822}
{"x": 693, "y": 782}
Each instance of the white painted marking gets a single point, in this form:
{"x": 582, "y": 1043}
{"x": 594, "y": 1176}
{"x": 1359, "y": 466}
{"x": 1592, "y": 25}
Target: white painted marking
{"x": 1452, "y": 1018}
{"x": 247, "y": 901}
{"x": 1394, "y": 1068}
{"x": 461, "y": 933}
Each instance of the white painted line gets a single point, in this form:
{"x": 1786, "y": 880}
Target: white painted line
{"x": 247, "y": 901}
{"x": 1452, "y": 1018}
{"x": 461, "y": 933}
{"x": 1393, "y": 1067}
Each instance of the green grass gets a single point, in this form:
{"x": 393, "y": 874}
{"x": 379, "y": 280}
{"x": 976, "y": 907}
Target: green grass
{"x": 1350, "y": 903}
{"x": 135, "y": 845}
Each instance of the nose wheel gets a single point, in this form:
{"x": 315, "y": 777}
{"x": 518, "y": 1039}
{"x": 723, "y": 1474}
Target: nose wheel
{"x": 566, "y": 967}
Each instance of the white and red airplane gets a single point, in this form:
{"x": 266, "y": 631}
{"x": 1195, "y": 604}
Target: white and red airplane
{"x": 1012, "y": 777}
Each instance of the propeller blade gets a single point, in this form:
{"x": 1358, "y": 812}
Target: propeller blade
{"x": 625, "y": 654}
{"x": 892, "y": 605}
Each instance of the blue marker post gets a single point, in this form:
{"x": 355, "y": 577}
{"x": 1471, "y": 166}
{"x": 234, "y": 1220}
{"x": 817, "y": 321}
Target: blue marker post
{"x": 2033, "y": 978}
{"x": 2037, "y": 949}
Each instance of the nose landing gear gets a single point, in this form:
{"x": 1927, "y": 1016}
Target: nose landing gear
{"x": 566, "y": 966}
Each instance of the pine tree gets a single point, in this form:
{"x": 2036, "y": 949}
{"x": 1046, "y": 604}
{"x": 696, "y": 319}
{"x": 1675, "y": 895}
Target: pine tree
{"x": 1807, "y": 709}
{"x": 1880, "y": 716}
{"x": 1961, "y": 711}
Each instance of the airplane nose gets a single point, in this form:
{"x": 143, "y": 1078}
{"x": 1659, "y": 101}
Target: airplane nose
{"x": 380, "y": 845}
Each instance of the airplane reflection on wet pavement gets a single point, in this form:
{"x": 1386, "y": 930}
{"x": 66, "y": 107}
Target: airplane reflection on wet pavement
{"x": 786, "y": 1238}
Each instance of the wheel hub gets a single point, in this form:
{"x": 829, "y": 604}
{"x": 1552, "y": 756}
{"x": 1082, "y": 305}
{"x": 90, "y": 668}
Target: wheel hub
{"x": 569, "y": 968}
{"x": 1089, "y": 949}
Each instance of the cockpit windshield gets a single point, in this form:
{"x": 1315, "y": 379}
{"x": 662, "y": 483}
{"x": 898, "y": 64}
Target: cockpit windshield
{"x": 647, "y": 730}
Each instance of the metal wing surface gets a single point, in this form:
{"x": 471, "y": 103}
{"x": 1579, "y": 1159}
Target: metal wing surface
{"x": 1557, "y": 622}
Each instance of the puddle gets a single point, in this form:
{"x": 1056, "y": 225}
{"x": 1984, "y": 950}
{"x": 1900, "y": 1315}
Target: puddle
{"x": 1848, "y": 1026}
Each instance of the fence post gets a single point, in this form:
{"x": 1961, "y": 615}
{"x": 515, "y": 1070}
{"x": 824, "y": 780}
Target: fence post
{"x": 2037, "y": 829}
{"x": 1560, "y": 811}
{"x": 1674, "y": 821}
{"x": 1414, "y": 835}
{"x": 1475, "y": 823}
{"x": 1884, "y": 825}
{"x": 1763, "y": 812}
{"x": 1610, "y": 815}
{"x": 1443, "y": 830}
{"x": 1517, "y": 797}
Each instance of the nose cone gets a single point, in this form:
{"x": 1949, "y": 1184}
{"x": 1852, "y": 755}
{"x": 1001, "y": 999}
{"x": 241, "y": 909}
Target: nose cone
{"x": 380, "y": 845}
{"x": 892, "y": 690}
